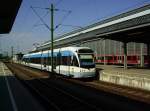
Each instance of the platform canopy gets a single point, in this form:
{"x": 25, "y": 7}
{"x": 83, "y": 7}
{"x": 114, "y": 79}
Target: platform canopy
{"x": 8, "y": 12}
{"x": 131, "y": 26}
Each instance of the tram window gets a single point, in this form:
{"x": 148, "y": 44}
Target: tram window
{"x": 49, "y": 61}
{"x": 25, "y": 59}
{"x": 59, "y": 59}
{"x": 55, "y": 61}
{"x": 69, "y": 60}
{"x": 64, "y": 60}
{"x": 39, "y": 60}
{"x": 44, "y": 61}
{"x": 28, "y": 60}
{"x": 74, "y": 61}
{"x": 31, "y": 60}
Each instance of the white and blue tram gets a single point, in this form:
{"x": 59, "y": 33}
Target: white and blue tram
{"x": 76, "y": 62}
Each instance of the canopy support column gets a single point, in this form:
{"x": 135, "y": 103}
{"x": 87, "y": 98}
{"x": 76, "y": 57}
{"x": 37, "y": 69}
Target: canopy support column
{"x": 125, "y": 54}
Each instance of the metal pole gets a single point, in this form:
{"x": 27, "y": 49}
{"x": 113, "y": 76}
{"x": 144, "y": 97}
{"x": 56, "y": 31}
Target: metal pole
{"x": 104, "y": 52}
{"x": 52, "y": 34}
{"x": 142, "y": 55}
{"x": 148, "y": 54}
{"x": 12, "y": 52}
{"x": 125, "y": 55}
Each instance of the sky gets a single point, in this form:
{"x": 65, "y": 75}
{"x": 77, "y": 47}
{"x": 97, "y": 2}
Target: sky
{"x": 28, "y": 29}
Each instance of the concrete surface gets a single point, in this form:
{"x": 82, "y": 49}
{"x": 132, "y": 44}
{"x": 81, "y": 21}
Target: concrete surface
{"x": 13, "y": 95}
{"x": 134, "y": 77}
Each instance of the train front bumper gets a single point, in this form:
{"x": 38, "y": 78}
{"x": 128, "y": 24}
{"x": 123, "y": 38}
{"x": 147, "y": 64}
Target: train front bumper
{"x": 85, "y": 73}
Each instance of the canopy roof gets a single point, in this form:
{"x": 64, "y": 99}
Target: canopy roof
{"x": 8, "y": 12}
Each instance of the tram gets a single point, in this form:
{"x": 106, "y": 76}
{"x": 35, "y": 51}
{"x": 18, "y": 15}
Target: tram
{"x": 75, "y": 62}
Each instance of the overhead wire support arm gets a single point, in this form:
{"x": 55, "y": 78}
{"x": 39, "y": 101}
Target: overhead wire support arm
{"x": 64, "y": 17}
{"x": 40, "y": 18}
{"x": 40, "y": 8}
{"x": 52, "y": 9}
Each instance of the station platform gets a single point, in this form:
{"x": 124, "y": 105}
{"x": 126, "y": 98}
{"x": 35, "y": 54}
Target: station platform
{"x": 13, "y": 95}
{"x": 133, "y": 77}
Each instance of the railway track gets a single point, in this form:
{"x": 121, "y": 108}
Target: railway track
{"x": 44, "y": 90}
{"x": 133, "y": 93}
{"x": 129, "y": 92}
{"x": 56, "y": 95}
{"x": 60, "y": 99}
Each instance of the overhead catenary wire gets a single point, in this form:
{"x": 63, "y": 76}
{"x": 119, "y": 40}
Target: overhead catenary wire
{"x": 60, "y": 23}
{"x": 40, "y": 7}
{"x": 40, "y": 18}
{"x": 64, "y": 18}
{"x": 57, "y": 3}
{"x": 49, "y": 1}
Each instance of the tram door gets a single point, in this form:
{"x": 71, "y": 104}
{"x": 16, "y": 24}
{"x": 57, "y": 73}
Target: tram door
{"x": 44, "y": 63}
{"x": 41, "y": 60}
{"x": 59, "y": 60}
{"x": 69, "y": 62}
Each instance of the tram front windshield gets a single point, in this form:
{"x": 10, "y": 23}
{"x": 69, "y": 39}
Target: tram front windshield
{"x": 86, "y": 60}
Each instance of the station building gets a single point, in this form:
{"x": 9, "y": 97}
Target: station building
{"x": 111, "y": 37}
